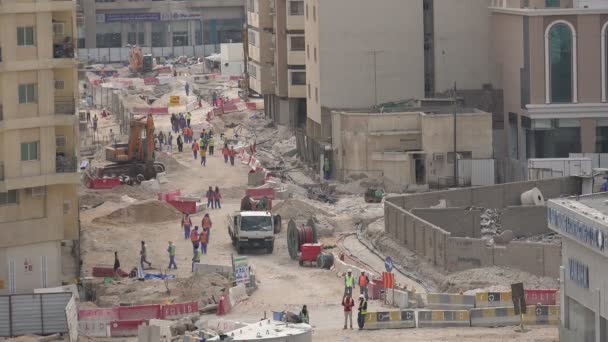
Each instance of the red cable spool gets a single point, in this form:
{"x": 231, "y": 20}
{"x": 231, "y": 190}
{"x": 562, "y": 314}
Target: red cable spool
{"x": 297, "y": 236}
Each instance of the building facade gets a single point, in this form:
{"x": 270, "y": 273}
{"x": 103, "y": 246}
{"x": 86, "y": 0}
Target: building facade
{"x": 38, "y": 144}
{"x": 582, "y": 223}
{"x": 551, "y": 57}
{"x": 160, "y": 23}
{"x": 359, "y": 55}
{"x": 277, "y": 68}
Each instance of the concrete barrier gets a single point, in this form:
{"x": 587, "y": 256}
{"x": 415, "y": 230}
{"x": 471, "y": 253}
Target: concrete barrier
{"x": 236, "y": 295}
{"x": 390, "y": 320}
{"x": 493, "y": 299}
{"x": 542, "y": 296}
{"x": 443, "y": 318}
{"x": 542, "y": 315}
{"x": 493, "y": 317}
{"x": 400, "y": 300}
{"x": 210, "y": 268}
{"x": 448, "y": 301}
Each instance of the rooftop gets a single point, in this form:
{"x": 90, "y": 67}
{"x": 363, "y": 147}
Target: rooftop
{"x": 593, "y": 206}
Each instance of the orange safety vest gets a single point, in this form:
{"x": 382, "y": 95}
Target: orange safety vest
{"x": 193, "y": 236}
{"x": 195, "y": 147}
{"x": 232, "y": 152}
{"x": 362, "y": 280}
{"x": 206, "y": 222}
{"x": 203, "y": 238}
{"x": 226, "y": 151}
{"x": 186, "y": 222}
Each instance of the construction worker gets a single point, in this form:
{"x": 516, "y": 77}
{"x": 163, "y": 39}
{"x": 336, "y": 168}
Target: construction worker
{"x": 232, "y": 155}
{"x": 187, "y": 89}
{"x": 214, "y": 99}
{"x": 304, "y": 317}
{"x": 363, "y": 282}
{"x": 217, "y": 198}
{"x": 326, "y": 168}
{"x": 180, "y": 143}
{"x": 362, "y": 311}
{"x": 204, "y": 239}
{"x": 207, "y": 224}
{"x": 226, "y": 153}
{"x": 195, "y": 149}
{"x": 204, "y": 155}
{"x": 171, "y": 251}
{"x": 143, "y": 256}
{"x": 210, "y": 198}
{"x": 188, "y": 118}
{"x": 194, "y": 239}
{"x": 211, "y": 145}
{"x": 196, "y": 258}
{"x": 349, "y": 281}
{"x": 348, "y": 303}
{"x": 186, "y": 224}
{"x": 116, "y": 264}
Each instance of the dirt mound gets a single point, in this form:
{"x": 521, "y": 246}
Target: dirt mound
{"x": 297, "y": 210}
{"x": 171, "y": 165}
{"x": 143, "y": 212}
{"x": 495, "y": 278}
{"x": 90, "y": 200}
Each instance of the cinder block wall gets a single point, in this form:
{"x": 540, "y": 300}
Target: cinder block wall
{"x": 525, "y": 220}
{"x": 459, "y": 222}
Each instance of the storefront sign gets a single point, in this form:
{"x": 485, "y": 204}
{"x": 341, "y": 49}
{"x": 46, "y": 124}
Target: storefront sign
{"x": 576, "y": 229}
{"x": 180, "y": 15}
{"x": 115, "y": 17}
{"x": 241, "y": 270}
{"x": 579, "y": 273}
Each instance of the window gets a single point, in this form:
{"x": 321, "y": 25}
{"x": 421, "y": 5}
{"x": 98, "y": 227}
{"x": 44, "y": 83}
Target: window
{"x": 109, "y": 35}
{"x": 604, "y": 47}
{"x": 25, "y": 36}
{"x": 552, "y": 3}
{"x": 27, "y": 93}
{"x": 297, "y": 43}
{"x": 307, "y": 51}
{"x": 309, "y": 91}
{"x": 251, "y": 37}
{"x": 251, "y": 6}
{"x": 315, "y": 54}
{"x": 316, "y": 94}
{"x": 560, "y": 63}
{"x": 253, "y": 71}
{"x": 135, "y": 35}
{"x": 296, "y": 8}
{"x": 29, "y": 151}
{"x": 298, "y": 78}
{"x": 180, "y": 32}
{"x": 159, "y": 33}
{"x": 314, "y": 13}
{"x": 59, "y": 84}
{"x": 306, "y": 11}
{"x": 9, "y": 197}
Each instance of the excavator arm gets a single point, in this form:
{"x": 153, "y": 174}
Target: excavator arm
{"x": 150, "y": 138}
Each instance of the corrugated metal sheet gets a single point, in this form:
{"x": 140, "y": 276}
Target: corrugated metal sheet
{"x": 562, "y": 166}
{"x": 598, "y": 160}
{"x": 33, "y": 314}
{"x": 476, "y": 172}
{"x": 4, "y": 317}
{"x": 71, "y": 315}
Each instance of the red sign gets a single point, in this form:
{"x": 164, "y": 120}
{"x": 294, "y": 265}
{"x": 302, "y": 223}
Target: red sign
{"x": 175, "y": 311}
{"x": 125, "y": 328}
{"x": 139, "y": 312}
{"x": 151, "y": 81}
{"x": 388, "y": 280}
{"x": 164, "y": 70}
{"x": 151, "y": 110}
{"x": 100, "y": 315}
{"x": 544, "y": 297}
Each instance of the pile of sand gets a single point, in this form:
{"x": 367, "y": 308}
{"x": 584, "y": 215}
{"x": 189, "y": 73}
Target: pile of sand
{"x": 171, "y": 165}
{"x": 297, "y": 210}
{"x": 205, "y": 289}
{"x": 151, "y": 211}
{"x": 495, "y": 278}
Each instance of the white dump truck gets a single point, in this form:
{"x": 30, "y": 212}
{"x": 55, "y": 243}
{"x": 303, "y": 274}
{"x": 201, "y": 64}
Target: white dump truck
{"x": 252, "y": 229}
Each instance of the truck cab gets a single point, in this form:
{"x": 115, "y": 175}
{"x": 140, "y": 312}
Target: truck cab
{"x": 252, "y": 229}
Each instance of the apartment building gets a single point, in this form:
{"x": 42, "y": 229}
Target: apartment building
{"x": 160, "y": 23}
{"x": 277, "y": 68}
{"x": 38, "y": 144}
{"x": 360, "y": 54}
{"x": 552, "y": 59}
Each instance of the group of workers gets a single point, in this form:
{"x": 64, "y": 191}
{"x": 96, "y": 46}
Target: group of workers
{"x": 199, "y": 240}
{"x": 214, "y": 198}
{"x": 348, "y": 303}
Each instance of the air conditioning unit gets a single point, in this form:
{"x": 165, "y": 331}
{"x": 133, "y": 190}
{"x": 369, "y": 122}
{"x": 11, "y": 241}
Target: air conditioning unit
{"x": 59, "y": 84}
{"x": 438, "y": 157}
{"x": 38, "y": 191}
{"x": 58, "y": 29}
{"x": 60, "y": 140}
{"x": 66, "y": 207}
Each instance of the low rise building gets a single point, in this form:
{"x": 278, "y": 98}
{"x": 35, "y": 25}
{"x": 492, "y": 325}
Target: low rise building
{"x": 582, "y": 222}
{"x": 39, "y": 145}
{"x": 408, "y": 148}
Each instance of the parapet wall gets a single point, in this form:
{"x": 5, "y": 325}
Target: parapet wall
{"x": 420, "y": 232}
{"x": 461, "y": 222}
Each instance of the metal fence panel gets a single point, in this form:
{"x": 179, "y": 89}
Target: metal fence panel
{"x": 482, "y": 172}
{"x": 26, "y": 314}
{"x": 465, "y": 167}
{"x": 53, "y": 312}
{"x": 5, "y": 329}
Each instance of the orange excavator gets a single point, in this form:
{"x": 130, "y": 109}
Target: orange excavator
{"x": 136, "y": 157}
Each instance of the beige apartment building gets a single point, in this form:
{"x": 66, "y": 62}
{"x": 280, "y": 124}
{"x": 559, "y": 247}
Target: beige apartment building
{"x": 38, "y": 143}
{"x": 360, "y": 54}
{"x": 277, "y": 68}
{"x": 552, "y": 62}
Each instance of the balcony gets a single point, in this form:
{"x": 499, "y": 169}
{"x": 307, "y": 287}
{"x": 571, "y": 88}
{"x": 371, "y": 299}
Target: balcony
{"x": 65, "y": 49}
{"x": 65, "y": 105}
{"x": 65, "y": 164}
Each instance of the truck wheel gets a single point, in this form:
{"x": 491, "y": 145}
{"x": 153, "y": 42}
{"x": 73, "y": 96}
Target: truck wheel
{"x": 270, "y": 248}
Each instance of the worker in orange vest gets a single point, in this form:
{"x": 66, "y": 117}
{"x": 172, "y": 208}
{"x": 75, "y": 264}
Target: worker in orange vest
{"x": 363, "y": 282}
{"x": 207, "y": 224}
{"x": 194, "y": 238}
{"x": 225, "y": 152}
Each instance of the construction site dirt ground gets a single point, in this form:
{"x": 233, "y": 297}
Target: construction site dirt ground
{"x": 108, "y": 225}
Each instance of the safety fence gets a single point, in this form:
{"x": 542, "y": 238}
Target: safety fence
{"x": 481, "y": 317}
{"x": 123, "y": 321}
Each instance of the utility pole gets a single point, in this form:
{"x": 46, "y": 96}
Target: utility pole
{"x": 455, "y": 108}
{"x": 374, "y": 53}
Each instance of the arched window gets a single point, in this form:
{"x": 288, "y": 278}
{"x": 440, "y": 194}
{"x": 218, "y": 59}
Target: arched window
{"x": 560, "y": 63}
{"x": 604, "y": 45}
